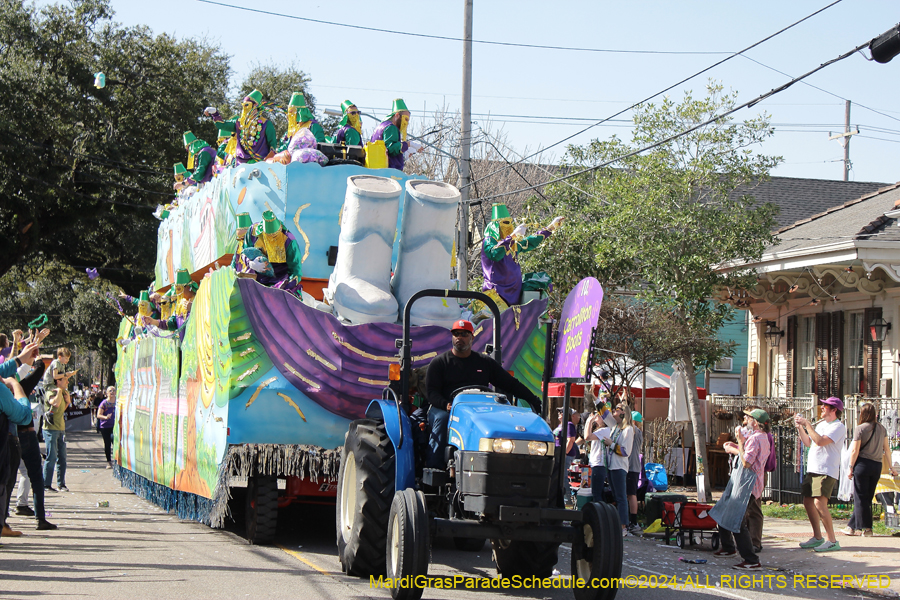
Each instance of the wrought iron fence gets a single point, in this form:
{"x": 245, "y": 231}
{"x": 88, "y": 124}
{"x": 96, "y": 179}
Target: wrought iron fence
{"x": 728, "y": 411}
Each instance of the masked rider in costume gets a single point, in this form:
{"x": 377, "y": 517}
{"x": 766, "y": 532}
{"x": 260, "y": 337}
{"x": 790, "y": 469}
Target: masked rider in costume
{"x": 256, "y": 138}
{"x": 281, "y": 248}
{"x": 185, "y": 290}
{"x": 350, "y": 132}
{"x": 393, "y": 132}
{"x": 202, "y": 158}
{"x": 502, "y": 244}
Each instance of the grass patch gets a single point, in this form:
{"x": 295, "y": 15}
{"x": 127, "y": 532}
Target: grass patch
{"x": 798, "y": 513}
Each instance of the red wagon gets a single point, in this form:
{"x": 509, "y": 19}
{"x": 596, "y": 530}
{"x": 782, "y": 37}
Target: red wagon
{"x": 689, "y": 518}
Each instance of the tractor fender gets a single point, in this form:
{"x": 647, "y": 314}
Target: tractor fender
{"x": 386, "y": 411}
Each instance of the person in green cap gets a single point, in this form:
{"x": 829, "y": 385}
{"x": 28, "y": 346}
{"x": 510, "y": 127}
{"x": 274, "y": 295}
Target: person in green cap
{"x": 502, "y": 244}
{"x": 185, "y": 290}
{"x": 204, "y": 157}
{"x": 180, "y": 174}
{"x": 256, "y": 138}
{"x": 350, "y": 132}
{"x": 393, "y": 132}
{"x": 244, "y": 223}
{"x": 281, "y": 248}
{"x": 226, "y": 143}
{"x": 145, "y": 307}
{"x": 300, "y": 117}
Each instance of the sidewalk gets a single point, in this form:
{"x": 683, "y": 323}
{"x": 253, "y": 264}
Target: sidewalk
{"x": 860, "y": 556}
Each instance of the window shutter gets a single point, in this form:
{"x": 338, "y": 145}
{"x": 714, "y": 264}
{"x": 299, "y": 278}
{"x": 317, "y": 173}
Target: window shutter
{"x": 790, "y": 357}
{"x": 834, "y": 363}
{"x": 823, "y": 345}
{"x": 872, "y": 370}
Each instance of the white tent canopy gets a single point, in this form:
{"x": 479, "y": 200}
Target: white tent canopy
{"x": 655, "y": 379}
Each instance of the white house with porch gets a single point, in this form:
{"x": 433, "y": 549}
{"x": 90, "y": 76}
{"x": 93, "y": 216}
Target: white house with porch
{"x": 825, "y": 313}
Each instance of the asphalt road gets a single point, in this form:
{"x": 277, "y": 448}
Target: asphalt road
{"x": 132, "y": 549}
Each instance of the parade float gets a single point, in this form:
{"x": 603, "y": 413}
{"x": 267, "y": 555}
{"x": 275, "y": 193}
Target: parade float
{"x": 244, "y": 407}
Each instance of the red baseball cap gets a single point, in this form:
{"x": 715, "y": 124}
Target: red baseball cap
{"x": 464, "y": 325}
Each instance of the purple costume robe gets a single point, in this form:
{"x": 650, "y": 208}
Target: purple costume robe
{"x": 390, "y": 134}
{"x": 208, "y": 174}
{"x": 261, "y": 147}
{"x": 505, "y": 274}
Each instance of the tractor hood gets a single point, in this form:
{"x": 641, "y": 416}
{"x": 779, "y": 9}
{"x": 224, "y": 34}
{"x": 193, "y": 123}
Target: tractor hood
{"x": 476, "y": 416}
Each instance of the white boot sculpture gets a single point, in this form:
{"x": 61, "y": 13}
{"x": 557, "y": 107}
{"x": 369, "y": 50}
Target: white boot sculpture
{"x": 359, "y": 287}
{"x": 426, "y": 244}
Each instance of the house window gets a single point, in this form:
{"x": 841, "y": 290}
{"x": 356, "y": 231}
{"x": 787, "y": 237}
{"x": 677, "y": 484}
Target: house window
{"x": 806, "y": 359}
{"x": 854, "y": 334}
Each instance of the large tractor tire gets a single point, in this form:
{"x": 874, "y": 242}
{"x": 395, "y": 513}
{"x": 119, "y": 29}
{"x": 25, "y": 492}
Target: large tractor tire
{"x": 526, "y": 559}
{"x": 364, "y": 495}
{"x": 598, "y": 553}
{"x": 407, "y": 543}
{"x": 261, "y": 512}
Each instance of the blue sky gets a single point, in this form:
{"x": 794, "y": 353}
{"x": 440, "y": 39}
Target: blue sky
{"x": 372, "y": 68}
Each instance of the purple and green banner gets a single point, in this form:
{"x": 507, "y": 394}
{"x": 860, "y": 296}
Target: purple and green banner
{"x": 579, "y": 317}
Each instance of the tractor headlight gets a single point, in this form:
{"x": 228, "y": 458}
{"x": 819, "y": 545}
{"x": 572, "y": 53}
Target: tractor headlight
{"x": 504, "y": 446}
{"x": 537, "y": 448}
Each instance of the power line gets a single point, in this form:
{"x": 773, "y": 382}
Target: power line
{"x": 454, "y": 39}
{"x": 877, "y": 112}
{"x": 719, "y": 117}
{"x": 869, "y": 137}
{"x": 648, "y": 98}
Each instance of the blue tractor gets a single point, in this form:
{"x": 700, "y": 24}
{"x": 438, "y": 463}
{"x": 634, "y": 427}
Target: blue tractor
{"x": 500, "y": 483}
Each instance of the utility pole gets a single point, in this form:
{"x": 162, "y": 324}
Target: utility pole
{"x": 462, "y": 242}
{"x": 845, "y": 140}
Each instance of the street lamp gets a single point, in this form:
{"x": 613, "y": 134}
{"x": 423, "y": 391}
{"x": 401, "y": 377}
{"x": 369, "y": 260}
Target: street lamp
{"x": 773, "y": 334}
{"x": 879, "y": 328}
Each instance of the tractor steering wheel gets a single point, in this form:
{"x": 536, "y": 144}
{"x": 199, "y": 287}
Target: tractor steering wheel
{"x": 480, "y": 388}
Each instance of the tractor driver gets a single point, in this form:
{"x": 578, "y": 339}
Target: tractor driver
{"x": 457, "y": 368}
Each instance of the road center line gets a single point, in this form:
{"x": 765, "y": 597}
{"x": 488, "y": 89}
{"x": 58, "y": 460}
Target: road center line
{"x": 299, "y": 557}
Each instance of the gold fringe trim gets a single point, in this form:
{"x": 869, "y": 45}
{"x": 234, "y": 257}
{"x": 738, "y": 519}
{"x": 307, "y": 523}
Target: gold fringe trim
{"x": 293, "y": 404}
{"x": 301, "y": 377}
{"x": 311, "y": 353}
{"x": 264, "y": 384}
